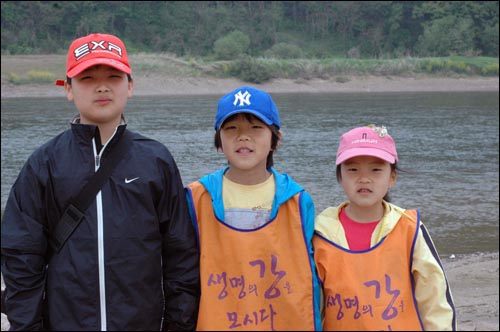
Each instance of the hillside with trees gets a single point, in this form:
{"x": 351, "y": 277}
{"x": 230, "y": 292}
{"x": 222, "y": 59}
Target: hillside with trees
{"x": 224, "y": 30}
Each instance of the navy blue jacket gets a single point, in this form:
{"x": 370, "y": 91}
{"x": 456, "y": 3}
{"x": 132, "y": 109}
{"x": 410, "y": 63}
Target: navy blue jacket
{"x": 132, "y": 263}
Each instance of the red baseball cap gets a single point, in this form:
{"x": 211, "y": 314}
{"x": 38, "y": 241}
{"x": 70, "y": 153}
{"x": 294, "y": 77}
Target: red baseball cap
{"x": 96, "y": 49}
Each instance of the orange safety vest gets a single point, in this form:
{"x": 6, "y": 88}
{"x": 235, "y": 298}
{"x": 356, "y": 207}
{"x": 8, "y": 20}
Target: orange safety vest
{"x": 372, "y": 289}
{"x": 253, "y": 279}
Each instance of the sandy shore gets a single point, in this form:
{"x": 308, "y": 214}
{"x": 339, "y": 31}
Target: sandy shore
{"x": 474, "y": 283}
{"x": 161, "y": 85}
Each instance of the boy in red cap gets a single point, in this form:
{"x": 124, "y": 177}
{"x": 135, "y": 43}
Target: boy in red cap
{"x": 132, "y": 263}
{"x": 379, "y": 267}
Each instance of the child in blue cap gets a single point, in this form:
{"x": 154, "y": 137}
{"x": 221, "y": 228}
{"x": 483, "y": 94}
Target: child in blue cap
{"x": 254, "y": 227}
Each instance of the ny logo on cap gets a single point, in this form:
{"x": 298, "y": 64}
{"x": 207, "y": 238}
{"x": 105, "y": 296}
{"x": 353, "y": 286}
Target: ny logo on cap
{"x": 244, "y": 98}
{"x": 85, "y": 49}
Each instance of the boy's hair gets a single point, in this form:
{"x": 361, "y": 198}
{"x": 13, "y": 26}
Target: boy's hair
{"x": 250, "y": 118}
{"x": 394, "y": 168}
{"x": 68, "y": 79}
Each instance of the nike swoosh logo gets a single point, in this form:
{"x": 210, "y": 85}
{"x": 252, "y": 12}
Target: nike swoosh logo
{"x": 128, "y": 181}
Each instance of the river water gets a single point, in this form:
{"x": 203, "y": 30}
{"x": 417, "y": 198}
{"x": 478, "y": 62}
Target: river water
{"x": 448, "y": 146}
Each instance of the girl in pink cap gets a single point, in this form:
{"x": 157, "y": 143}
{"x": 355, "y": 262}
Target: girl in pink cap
{"x": 377, "y": 262}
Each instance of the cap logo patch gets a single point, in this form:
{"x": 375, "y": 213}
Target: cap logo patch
{"x": 242, "y": 98}
{"x": 84, "y": 50}
{"x": 364, "y": 140}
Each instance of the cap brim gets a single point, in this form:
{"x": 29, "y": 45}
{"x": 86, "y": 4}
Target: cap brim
{"x": 351, "y": 153}
{"x": 98, "y": 61}
{"x": 259, "y": 115}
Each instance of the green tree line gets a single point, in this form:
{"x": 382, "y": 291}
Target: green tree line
{"x": 279, "y": 29}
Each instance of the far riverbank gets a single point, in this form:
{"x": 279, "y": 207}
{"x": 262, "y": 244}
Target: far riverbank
{"x": 149, "y": 85}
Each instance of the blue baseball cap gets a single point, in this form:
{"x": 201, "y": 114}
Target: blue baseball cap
{"x": 247, "y": 100}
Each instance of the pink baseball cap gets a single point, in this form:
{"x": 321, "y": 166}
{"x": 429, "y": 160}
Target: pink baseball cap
{"x": 367, "y": 141}
{"x": 96, "y": 49}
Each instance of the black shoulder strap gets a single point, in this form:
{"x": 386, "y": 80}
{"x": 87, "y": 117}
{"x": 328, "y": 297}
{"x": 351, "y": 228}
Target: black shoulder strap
{"x": 75, "y": 211}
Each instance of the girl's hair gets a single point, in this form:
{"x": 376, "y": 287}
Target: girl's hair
{"x": 250, "y": 118}
{"x": 68, "y": 79}
{"x": 394, "y": 168}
